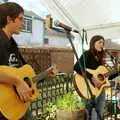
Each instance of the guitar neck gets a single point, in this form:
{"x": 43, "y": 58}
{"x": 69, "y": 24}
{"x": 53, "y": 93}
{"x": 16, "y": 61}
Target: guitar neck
{"x": 40, "y": 76}
{"x": 112, "y": 74}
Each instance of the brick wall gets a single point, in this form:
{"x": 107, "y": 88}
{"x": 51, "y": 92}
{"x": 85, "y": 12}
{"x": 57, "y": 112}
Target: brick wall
{"x": 43, "y": 57}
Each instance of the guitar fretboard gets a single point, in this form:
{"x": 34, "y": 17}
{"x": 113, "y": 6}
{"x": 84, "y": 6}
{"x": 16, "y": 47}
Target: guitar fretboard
{"x": 40, "y": 76}
{"x": 112, "y": 73}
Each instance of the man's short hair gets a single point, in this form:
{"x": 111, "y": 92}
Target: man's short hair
{"x": 9, "y": 9}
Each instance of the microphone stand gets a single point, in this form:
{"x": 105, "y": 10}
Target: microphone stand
{"x": 85, "y": 77}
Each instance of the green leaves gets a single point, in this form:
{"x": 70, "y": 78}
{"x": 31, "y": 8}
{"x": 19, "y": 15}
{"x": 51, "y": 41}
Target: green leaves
{"x": 70, "y": 101}
{"x": 51, "y": 111}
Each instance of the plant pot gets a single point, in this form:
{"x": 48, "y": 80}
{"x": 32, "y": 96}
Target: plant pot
{"x": 71, "y": 115}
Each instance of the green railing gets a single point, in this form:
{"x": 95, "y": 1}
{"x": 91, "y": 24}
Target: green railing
{"x": 50, "y": 90}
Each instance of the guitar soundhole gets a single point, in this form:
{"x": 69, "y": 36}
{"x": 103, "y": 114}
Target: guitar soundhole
{"x": 101, "y": 77}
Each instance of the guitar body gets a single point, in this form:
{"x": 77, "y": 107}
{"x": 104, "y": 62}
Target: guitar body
{"x": 10, "y": 104}
{"x": 81, "y": 87}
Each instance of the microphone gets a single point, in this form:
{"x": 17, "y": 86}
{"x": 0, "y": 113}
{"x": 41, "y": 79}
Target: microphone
{"x": 66, "y": 27}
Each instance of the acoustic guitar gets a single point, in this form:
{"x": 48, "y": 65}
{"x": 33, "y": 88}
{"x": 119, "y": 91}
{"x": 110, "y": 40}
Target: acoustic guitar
{"x": 81, "y": 87}
{"x": 10, "y": 104}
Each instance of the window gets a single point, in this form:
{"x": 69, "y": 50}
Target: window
{"x": 27, "y": 25}
{"x": 46, "y": 40}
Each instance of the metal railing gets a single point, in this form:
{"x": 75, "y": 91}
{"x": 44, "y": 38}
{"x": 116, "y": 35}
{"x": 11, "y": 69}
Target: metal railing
{"x": 50, "y": 90}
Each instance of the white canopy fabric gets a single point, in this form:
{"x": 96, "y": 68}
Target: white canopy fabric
{"x": 78, "y": 13}
{"x": 99, "y": 16}
{"x": 81, "y": 13}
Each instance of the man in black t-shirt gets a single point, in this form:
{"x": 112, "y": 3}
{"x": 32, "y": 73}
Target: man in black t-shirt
{"x": 11, "y": 18}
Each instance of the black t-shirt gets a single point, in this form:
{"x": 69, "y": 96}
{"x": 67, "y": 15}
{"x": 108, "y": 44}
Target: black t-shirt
{"x": 92, "y": 63}
{"x": 89, "y": 60}
{"x": 9, "y": 53}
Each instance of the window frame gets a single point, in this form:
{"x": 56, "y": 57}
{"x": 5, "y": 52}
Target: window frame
{"x": 27, "y": 20}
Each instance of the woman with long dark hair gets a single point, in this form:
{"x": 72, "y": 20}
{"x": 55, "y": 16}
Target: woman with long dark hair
{"x": 92, "y": 59}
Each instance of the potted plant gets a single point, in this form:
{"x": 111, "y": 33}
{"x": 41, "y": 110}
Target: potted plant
{"x": 67, "y": 107}
{"x": 70, "y": 107}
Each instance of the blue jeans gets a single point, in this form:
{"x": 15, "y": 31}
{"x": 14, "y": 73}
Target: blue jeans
{"x": 98, "y": 105}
